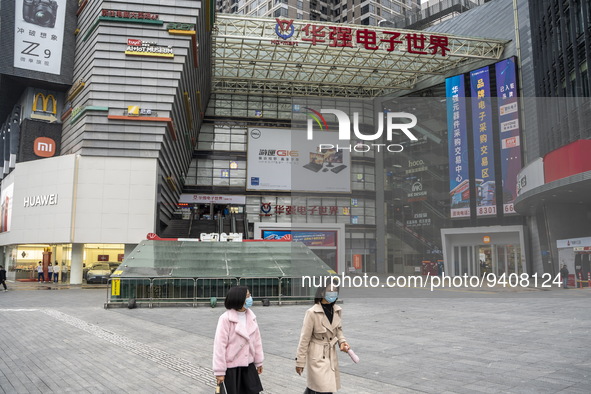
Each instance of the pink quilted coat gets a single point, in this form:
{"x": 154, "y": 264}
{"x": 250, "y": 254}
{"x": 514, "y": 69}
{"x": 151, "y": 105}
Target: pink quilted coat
{"x": 236, "y": 345}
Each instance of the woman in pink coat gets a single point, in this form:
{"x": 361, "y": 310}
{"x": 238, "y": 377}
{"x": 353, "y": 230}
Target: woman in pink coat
{"x": 237, "y": 347}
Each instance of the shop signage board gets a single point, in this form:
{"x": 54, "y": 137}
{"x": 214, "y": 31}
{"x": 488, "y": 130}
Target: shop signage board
{"x": 366, "y": 38}
{"x": 459, "y": 185}
{"x": 482, "y": 133}
{"x": 212, "y": 198}
{"x": 573, "y": 242}
{"x": 508, "y": 107}
{"x": 531, "y": 176}
{"x": 137, "y": 47}
{"x": 130, "y": 16}
{"x": 268, "y": 209}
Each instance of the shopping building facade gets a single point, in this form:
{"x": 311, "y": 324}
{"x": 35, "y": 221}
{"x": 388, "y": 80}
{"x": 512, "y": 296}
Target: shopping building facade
{"x": 103, "y": 149}
{"x": 555, "y": 182}
{"x": 340, "y": 11}
{"x": 159, "y": 127}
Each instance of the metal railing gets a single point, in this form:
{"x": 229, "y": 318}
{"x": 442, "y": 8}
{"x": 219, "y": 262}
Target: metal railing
{"x": 194, "y": 291}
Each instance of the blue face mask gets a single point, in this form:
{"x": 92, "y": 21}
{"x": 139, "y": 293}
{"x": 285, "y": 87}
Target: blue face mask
{"x": 331, "y": 296}
{"x": 248, "y": 302}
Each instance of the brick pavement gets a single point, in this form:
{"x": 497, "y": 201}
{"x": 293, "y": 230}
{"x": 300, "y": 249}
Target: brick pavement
{"x": 409, "y": 341}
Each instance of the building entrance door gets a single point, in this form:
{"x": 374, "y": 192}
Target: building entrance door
{"x": 508, "y": 260}
{"x": 464, "y": 261}
{"x": 486, "y": 261}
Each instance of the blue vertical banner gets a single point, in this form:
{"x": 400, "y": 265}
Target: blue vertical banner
{"x": 457, "y": 139}
{"x": 509, "y": 129}
{"x": 484, "y": 157}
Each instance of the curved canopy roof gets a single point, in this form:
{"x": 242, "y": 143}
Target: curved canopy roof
{"x": 309, "y": 58}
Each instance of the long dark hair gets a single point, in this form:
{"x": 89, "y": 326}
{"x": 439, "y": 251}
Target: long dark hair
{"x": 236, "y": 297}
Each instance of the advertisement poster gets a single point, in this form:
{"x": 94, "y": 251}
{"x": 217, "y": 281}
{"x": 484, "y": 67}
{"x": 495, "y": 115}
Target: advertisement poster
{"x": 482, "y": 132}
{"x": 6, "y": 207}
{"x": 459, "y": 183}
{"x": 285, "y": 160}
{"x": 39, "y": 35}
{"x": 509, "y": 129}
{"x": 309, "y": 238}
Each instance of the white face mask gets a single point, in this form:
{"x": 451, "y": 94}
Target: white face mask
{"x": 331, "y": 296}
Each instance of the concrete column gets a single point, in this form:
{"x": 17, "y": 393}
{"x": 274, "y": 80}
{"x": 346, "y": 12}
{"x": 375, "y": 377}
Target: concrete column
{"x": 380, "y": 213}
{"x": 76, "y": 267}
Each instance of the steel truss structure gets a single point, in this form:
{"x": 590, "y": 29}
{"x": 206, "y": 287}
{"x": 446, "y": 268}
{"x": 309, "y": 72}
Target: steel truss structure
{"x": 251, "y": 57}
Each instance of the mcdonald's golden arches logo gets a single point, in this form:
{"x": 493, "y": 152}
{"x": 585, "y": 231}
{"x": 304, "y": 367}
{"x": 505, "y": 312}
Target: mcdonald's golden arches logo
{"x": 44, "y": 107}
{"x": 44, "y": 100}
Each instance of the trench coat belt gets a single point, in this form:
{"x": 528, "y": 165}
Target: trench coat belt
{"x": 328, "y": 349}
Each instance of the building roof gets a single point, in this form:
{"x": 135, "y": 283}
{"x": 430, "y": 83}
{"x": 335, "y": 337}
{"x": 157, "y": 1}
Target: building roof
{"x": 268, "y": 56}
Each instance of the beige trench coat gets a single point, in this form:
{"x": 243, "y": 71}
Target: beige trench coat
{"x": 317, "y": 349}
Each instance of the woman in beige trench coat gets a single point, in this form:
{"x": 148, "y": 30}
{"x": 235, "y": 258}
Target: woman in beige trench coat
{"x": 320, "y": 333}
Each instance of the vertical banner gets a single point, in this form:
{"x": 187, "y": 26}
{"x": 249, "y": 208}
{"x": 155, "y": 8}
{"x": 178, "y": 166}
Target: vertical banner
{"x": 39, "y": 35}
{"x": 484, "y": 158}
{"x": 457, "y": 138}
{"x": 509, "y": 129}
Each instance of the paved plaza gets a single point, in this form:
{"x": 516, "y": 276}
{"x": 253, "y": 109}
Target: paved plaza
{"x": 61, "y": 339}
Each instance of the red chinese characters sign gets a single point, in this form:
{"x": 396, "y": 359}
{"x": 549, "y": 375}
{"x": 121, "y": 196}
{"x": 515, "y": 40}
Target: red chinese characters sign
{"x": 268, "y": 210}
{"x": 370, "y": 39}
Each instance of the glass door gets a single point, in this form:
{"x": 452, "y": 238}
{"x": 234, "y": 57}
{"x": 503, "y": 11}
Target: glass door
{"x": 464, "y": 261}
{"x": 508, "y": 260}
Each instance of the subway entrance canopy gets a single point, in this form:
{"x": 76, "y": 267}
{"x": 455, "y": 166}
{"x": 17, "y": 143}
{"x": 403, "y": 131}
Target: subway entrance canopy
{"x": 268, "y": 56}
{"x": 189, "y": 272}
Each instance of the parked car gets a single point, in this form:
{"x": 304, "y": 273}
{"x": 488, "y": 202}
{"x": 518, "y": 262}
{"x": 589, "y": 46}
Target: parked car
{"x": 98, "y": 273}
{"x": 114, "y": 266}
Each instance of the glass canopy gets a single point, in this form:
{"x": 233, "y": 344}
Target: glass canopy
{"x": 177, "y": 259}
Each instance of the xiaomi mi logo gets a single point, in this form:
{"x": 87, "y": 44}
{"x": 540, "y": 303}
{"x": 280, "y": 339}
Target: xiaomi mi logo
{"x": 44, "y": 147}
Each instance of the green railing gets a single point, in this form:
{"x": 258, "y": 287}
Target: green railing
{"x": 195, "y": 291}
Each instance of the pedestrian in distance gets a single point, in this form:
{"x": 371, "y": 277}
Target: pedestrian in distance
{"x": 321, "y": 331}
{"x": 564, "y": 276}
{"x": 56, "y": 272}
{"x": 237, "y": 346}
{"x": 3, "y": 277}
{"x": 49, "y": 272}
{"x": 40, "y": 274}
{"x": 64, "y": 271}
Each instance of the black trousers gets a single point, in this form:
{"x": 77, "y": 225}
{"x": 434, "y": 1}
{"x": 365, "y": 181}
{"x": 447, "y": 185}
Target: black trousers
{"x": 4, "y": 284}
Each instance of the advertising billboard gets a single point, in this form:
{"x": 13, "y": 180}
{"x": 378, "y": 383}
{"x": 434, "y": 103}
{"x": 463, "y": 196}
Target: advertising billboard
{"x": 285, "y": 160}
{"x": 6, "y": 199}
{"x": 39, "y": 35}
{"x": 506, "y": 72}
{"x": 38, "y": 39}
{"x": 482, "y": 133}
{"x": 457, "y": 135}
{"x": 309, "y": 238}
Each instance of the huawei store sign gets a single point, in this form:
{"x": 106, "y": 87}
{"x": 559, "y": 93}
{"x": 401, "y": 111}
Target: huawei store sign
{"x": 44, "y": 147}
